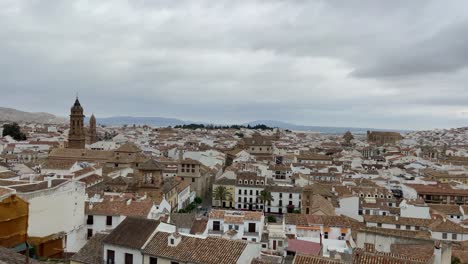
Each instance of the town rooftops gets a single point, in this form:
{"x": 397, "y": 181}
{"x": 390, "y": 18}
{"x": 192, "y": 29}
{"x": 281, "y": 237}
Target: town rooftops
{"x": 302, "y": 259}
{"x": 37, "y": 186}
{"x": 151, "y": 165}
{"x": 128, "y": 147}
{"x": 397, "y": 220}
{"x": 132, "y": 233}
{"x": 91, "y": 252}
{"x": 362, "y": 256}
{"x": 120, "y": 206}
{"x": 8, "y": 256}
{"x": 313, "y": 156}
{"x": 240, "y": 216}
{"x": 437, "y": 189}
{"x": 316, "y": 220}
{"x": 210, "y": 250}
{"x": 304, "y": 247}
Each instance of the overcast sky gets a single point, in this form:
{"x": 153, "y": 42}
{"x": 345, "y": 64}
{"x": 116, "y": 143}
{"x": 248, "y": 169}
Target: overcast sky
{"x": 364, "y": 63}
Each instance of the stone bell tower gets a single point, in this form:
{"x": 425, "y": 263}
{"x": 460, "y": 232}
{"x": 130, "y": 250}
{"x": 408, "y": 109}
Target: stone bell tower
{"x": 76, "y": 134}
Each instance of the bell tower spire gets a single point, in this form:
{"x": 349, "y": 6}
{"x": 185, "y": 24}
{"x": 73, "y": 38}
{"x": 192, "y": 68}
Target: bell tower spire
{"x": 76, "y": 134}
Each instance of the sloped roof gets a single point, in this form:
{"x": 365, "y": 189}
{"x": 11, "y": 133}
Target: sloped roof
{"x": 91, "y": 253}
{"x": 132, "y": 232}
{"x": 196, "y": 250}
{"x": 152, "y": 164}
{"x": 128, "y": 147}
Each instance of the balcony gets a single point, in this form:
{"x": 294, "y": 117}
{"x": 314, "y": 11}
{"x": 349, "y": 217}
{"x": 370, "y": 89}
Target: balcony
{"x": 216, "y": 232}
{"x": 251, "y": 234}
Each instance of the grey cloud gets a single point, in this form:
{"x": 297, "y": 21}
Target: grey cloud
{"x": 343, "y": 63}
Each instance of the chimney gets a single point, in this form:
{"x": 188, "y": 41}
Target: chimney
{"x": 129, "y": 201}
{"x": 49, "y": 182}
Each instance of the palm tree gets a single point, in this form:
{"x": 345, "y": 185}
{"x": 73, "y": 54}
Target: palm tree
{"x": 221, "y": 193}
{"x": 265, "y": 196}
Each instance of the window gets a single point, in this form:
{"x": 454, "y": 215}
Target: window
{"x": 240, "y": 200}
{"x": 256, "y": 192}
{"x": 290, "y": 196}
{"x": 90, "y": 220}
{"x": 408, "y": 227}
{"x": 454, "y": 236}
{"x": 230, "y": 227}
{"x": 153, "y": 260}
{"x": 128, "y": 258}
{"x": 252, "y": 227}
{"x": 109, "y": 220}
{"x": 379, "y": 224}
{"x": 172, "y": 241}
{"x": 264, "y": 245}
{"x": 343, "y": 234}
{"x": 90, "y": 234}
{"x": 236, "y": 227}
{"x": 398, "y": 226}
{"x": 251, "y": 192}
{"x": 444, "y": 235}
{"x": 360, "y": 211}
{"x": 416, "y": 227}
{"x": 110, "y": 257}
{"x": 193, "y": 179}
{"x": 174, "y": 262}
{"x": 325, "y": 235}
{"x": 216, "y": 226}
{"x": 245, "y": 192}
{"x": 254, "y": 240}
{"x": 240, "y": 191}
{"x": 281, "y": 195}
{"x": 280, "y": 243}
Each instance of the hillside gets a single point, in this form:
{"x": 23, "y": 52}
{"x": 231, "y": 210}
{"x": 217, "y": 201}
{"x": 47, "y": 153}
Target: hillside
{"x": 13, "y": 115}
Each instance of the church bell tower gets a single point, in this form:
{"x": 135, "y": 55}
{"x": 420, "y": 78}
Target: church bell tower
{"x": 76, "y": 134}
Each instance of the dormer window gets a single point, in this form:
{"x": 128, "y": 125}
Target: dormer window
{"x": 257, "y": 182}
{"x": 246, "y": 182}
{"x": 251, "y": 182}
{"x": 240, "y": 181}
{"x": 261, "y": 182}
{"x": 174, "y": 239}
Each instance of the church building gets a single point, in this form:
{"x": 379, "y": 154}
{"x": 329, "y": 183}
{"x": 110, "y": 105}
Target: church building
{"x": 78, "y": 134}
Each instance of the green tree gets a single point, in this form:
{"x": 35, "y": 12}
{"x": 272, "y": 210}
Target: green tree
{"x": 198, "y": 200}
{"x": 348, "y": 137}
{"x": 456, "y": 260}
{"x": 221, "y": 193}
{"x": 14, "y": 131}
{"x": 265, "y": 196}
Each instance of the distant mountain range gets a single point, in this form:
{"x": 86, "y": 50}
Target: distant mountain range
{"x": 164, "y": 122}
{"x": 13, "y": 115}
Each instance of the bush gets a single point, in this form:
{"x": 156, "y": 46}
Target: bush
{"x": 198, "y": 200}
{"x": 271, "y": 219}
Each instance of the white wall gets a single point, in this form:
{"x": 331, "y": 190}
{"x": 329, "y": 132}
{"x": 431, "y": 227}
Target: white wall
{"x": 56, "y": 210}
{"x": 349, "y": 206}
{"x": 120, "y": 254}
